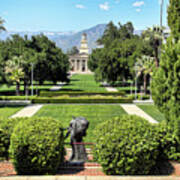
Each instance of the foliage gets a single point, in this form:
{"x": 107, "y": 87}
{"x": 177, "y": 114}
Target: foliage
{"x": 115, "y": 61}
{"x": 7, "y": 125}
{"x": 37, "y": 146}
{"x": 144, "y": 67}
{"x": 154, "y": 37}
{"x": 174, "y": 18}
{"x": 73, "y": 51}
{"x": 2, "y": 28}
{"x": 39, "y": 51}
{"x": 82, "y": 99}
{"x": 132, "y": 148}
{"x": 166, "y": 81}
{"x": 169, "y": 138}
{"x": 76, "y": 93}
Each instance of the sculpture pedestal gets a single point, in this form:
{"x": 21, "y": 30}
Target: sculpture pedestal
{"x": 79, "y": 154}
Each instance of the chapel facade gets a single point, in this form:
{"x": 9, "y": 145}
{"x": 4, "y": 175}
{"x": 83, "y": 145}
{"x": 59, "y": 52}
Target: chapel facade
{"x": 79, "y": 62}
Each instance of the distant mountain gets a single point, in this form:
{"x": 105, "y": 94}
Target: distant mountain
{"x": 66, "y": 40}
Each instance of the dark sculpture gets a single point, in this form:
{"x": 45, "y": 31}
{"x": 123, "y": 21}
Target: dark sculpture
{"x": 77, "y": 129}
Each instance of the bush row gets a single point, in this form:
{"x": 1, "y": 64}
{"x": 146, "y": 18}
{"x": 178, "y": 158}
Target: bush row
{"x": 129, "y": 145}
{"x": 36, "y": 145}
{"x": 77, "y": 93}
{"x": 83, "y": 100}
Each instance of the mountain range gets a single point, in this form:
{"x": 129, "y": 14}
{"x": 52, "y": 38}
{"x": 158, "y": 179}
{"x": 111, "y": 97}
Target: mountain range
{"x": 66, "y": 40}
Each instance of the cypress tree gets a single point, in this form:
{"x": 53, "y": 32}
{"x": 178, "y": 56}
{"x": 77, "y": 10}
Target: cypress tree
{"x": 174, "y": 18}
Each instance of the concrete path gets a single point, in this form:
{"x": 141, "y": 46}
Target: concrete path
{"x": 28, "y": 111}
{"x": 133, "y": 109}
{"x": 111, "y": 89}
{"x": 57, "y": 87}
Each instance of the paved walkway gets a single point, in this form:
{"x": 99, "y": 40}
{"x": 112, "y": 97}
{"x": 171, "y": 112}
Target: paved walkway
{"x": 28, "y": 111}
{"x": 111, "y": 89}
{"x": 57, "y": 87}
{"x": 133, "y": 109}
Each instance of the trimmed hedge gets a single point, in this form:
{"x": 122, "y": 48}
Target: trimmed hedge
{"x": 77, "y": 93}
{"x": 7, "y": 126}
{"x": 83, "y": 100}
{"x": 126, "y": 145}
{"x": 37, "y": 146}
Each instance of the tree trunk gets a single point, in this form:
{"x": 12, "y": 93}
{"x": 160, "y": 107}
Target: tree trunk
{"x": 17, "y": 88}
{"x": 26, "y": 87}
{"x": 156, "y": 56}
{"x": 145, "y": 84}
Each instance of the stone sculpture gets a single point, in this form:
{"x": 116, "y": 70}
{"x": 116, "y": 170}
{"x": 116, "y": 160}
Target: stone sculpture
{"x": 77, "y": 130}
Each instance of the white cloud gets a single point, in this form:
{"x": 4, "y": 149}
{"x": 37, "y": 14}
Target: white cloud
{"x": 104, "y": 6}
{"x": 80, "y": 6}
{"x": 138, "y": 3}
{"x": 138, "y": 10}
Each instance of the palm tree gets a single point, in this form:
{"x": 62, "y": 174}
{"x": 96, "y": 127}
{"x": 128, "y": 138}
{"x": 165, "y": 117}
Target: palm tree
{"x": 14, "y": 71}
{"x": 155, "y": 37}
{"x": 144, "y": 66}
{"x": 2, "y": 28}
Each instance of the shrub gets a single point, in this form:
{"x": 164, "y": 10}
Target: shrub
{"x": 6, "y": 126}
{"x": 126, "y": 145}
{"x": 76, "y": 93}
{"x": 37, "y": 146}
{"x": 93, "y": 99}
{"x": 169, "y": 138}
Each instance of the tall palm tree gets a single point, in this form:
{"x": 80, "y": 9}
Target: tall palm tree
{"x": 144, "y": 67}
{"x": 155, "y": 37}
{"x": 2, "y": 28}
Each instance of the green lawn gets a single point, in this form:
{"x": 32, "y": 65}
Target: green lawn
{"x": 12, "y": 88}
{"x": 83, "y": 82}
{"x": 6, "y": 112}
{"x": 152, "y": 111}
{"x": 95, "y": 114}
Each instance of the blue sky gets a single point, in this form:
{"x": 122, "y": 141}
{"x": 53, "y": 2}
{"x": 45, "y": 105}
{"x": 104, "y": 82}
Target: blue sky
{"x": 76, "y": 15}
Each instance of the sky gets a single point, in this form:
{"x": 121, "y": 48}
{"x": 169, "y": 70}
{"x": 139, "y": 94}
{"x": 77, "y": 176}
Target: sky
{"x": 76, "y": 15}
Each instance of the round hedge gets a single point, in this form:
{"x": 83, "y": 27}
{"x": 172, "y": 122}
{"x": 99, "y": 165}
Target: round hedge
{"x": 37, "y": 146}
{"x": 126, "y": 145}
{"x": 7, "y": 125}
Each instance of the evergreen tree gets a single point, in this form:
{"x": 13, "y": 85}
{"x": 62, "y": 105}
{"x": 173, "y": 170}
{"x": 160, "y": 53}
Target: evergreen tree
{"x": 174, "y": 18}
{"x": 166, "y": 81}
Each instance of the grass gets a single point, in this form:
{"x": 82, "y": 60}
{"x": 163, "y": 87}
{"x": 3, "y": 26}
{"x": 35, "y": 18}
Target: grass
{"x": 6, "y": 112}
{"x": 153, "y": 112}
{"x": 12, "y": 88}
{"x": 83, "y": 82}
{"x": 95, "y": 114}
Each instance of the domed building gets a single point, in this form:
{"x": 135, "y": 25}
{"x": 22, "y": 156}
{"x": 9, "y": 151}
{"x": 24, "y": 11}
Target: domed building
{"x": 79, "y": 62}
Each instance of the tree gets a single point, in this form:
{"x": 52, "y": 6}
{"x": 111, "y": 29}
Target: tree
{"x": 144, "y": 67}
{"x": 73, "y": 51}
{"x": 174, "y": 18}
{"x": 166, "y": 81}
{"x": 154, "y": 36}
{"x": 14, "y": 71}
{"x": 2, "y": 28}
{"x": 110, "y": 34}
